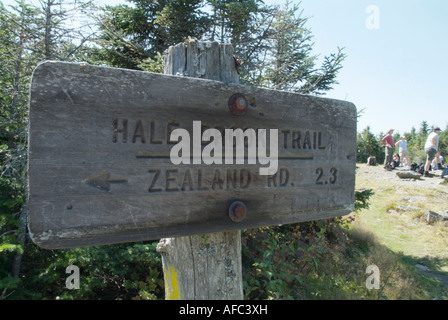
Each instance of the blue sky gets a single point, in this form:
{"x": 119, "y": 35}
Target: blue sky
{"x": 395, "y": 73}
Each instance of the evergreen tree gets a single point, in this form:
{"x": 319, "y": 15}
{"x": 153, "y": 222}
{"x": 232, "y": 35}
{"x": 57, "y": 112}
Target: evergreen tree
{"x": 132, "y": 34}
{"x": 368, "y": 145}
{"x": 231, "y": 19}
{"x": 272, "y": 42}
{"x": 28, "y": 35}
{"x": 64, "y": 28}
{"x": 284, "y": 55}
{"x": 18, "y": 40}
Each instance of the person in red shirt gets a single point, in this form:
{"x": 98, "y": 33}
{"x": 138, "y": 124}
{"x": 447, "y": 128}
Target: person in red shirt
{"x": 388, "y": 142}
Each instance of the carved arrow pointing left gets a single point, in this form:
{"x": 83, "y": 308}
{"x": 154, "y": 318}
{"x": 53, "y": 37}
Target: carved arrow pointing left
{"x": 103, "y": 180}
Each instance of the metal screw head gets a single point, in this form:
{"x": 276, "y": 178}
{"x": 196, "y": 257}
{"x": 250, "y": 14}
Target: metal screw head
{"x": 237, "y": 211}
{"x": 238, "y": 104}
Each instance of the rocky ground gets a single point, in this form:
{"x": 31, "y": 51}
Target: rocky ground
{"x": 379, "y": 174}
{"x": 403, "y": 177}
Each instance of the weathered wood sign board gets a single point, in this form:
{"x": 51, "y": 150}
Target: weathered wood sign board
{"x": 100, "y": 169}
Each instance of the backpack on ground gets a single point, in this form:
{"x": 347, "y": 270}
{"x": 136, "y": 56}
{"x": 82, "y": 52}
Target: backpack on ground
{"x": 421, "y": 168}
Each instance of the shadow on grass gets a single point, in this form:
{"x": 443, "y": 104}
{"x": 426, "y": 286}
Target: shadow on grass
{"x": 403, "y": 277}
{"x": 431, "y": 267}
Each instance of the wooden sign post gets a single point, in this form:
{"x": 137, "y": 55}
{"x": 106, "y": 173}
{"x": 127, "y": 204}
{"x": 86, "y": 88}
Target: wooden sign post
{"x": 101, "y": 166}
{"x": 206, "y": 266}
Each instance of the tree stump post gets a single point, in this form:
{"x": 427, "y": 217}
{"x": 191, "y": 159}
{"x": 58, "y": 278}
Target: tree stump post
{"x": 207, "y": 266}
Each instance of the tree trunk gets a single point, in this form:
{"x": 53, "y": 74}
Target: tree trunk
{"x": 208, "y": 266}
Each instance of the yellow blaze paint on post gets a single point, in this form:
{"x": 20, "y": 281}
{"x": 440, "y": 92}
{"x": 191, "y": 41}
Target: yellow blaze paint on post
{"x": 171, "y": 286}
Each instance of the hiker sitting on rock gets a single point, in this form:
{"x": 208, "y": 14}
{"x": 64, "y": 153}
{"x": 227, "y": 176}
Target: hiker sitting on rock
{"x": 437, "y": 165}
{"x": 395, "y": 161}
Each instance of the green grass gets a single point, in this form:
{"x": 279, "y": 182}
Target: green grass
{"x": 387, "y": 233}
{"x": 391, "y": 234}
{"x": 405, "y": 231}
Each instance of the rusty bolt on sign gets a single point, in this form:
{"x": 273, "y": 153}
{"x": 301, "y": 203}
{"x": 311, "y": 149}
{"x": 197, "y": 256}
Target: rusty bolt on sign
{"x": 238, "y": 104}
{"x": 237, "y": 211}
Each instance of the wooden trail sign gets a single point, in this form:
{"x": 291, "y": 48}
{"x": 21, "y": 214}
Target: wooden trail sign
{"x": 99, "y": 157}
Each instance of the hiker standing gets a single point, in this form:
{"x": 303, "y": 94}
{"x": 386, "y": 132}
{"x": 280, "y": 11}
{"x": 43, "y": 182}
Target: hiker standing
{"x": 388, "y": 142}
{"x": 402, "y": 145}
{"x": 431, "y": 149}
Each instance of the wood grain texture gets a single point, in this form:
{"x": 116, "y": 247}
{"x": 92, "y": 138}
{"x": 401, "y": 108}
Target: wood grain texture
{"x": 99, "y": 171}
{"x": 203, "y": 266}
{"x": 207, "y": 266}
